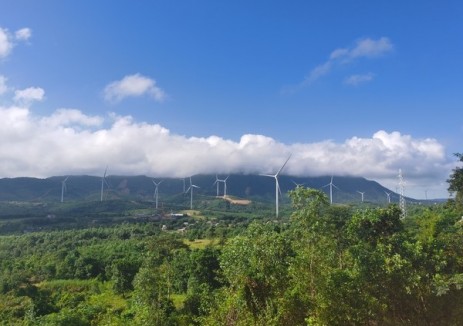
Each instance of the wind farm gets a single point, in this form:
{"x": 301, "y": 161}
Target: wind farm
{"x": 254, "y": 187}
{"x": 265, "y": 194}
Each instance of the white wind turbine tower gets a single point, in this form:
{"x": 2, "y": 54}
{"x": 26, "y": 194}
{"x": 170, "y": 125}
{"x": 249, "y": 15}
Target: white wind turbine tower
{"x": 217, "y": 180}
{"x": 224, "y": 181}
{"x": 156, "y": 191}
{"x": 183, "y": 179}
{"x": 277, "y": 186}
{"x": 361, "y": 193}
{"x": 388, "y": 194}
{"x": 224, "y": 186}
{"x": 103, "y": 181}
{"x": 190, "y": 189}
{"x": 63, "y": 188}
{"x": 331, "y": 184}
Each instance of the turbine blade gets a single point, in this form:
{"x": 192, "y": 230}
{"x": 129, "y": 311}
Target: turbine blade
{"x": 284, "y": 164}
{"x": 157, "y": 183}
{"x": 267, "y": 175}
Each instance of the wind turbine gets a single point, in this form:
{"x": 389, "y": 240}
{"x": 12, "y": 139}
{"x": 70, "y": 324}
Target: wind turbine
{"x": 225, "y": 186}
{"x": 190, "y": 189}
{"x": 63, "y": 188}
{"x": 217, "y": 180}
{"x": 331, "y": 184}
{"x": 156, "y": 191}
{"x": 388, "y": 194}
{"x": 277, "y": 186}
{"x": 103, "y": 181}
{"x": 361, "y": 193}
{"x": 224, "y": 181}
{"x": 183, "y": 179}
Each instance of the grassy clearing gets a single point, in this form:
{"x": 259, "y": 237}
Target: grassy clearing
{"x": 194, "y": 214}
{"x": 201, "y": 243}
{"x": 74, "y": 283}
{"x": 237, "y": 201}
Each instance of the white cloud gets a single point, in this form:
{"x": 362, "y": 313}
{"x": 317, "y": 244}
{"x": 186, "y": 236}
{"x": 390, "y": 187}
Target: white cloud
{"x": 29, "y": 95}
{"x": 7, "y": 41}
{"x": 356, "y": 80}
{"x": 23, "y": 34}
{"x": 363, "y": 48}
{"x": 133, "y": 86}
{"x": 338, "y": 53}
{"x": 318, "y": 72}
{"x": 71, "y": 142}
{"x": 71, "y": 117}
{"x": 371, "y": 48}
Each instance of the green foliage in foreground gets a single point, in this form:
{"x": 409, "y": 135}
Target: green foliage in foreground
{"x": 326, "y": 265}
{"x": 455, "y": 182}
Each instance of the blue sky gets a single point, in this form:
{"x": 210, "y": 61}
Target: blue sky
{"x": 168, "y": 88}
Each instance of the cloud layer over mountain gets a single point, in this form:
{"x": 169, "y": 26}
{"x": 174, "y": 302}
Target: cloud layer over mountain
{"x": 70, "y": 142}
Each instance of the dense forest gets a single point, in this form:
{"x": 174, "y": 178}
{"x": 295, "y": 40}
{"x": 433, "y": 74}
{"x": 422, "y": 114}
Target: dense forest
{"x": 322, "y": 265}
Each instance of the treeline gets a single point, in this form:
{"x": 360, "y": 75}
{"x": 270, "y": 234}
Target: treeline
{"x": 325, "y": 265}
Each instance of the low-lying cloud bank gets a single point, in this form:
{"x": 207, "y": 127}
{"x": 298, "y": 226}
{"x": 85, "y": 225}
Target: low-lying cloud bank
{"x": 71, "y": 142}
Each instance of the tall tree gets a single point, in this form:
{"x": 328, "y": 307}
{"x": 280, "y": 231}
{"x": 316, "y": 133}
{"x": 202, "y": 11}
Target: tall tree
{"x": 255, "y": 267}
{"x": 456, "y": 182}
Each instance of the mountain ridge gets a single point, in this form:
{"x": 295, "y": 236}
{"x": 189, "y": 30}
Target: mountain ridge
{"x": 247, "y": 186}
